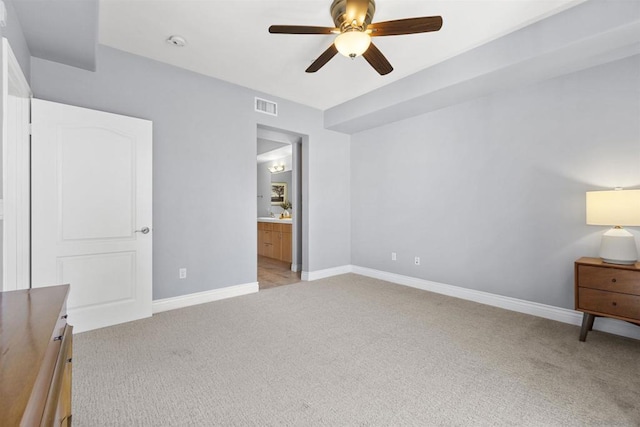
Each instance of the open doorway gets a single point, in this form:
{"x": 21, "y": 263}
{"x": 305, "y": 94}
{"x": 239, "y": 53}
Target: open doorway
{"x": 279, "y": 207}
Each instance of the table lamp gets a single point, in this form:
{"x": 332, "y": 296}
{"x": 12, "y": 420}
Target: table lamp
{"x": 615, "y": 208}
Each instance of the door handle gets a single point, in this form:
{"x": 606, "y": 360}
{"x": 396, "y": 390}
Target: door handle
{"x": 143, "y": 230}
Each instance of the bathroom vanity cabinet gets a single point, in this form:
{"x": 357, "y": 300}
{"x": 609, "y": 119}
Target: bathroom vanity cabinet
{"x": 274, "y": 240}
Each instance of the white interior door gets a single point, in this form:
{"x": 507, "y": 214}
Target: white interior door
{"x": 91, "y": 191}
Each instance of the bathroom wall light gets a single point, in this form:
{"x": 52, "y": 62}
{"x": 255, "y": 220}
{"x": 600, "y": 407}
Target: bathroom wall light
{"x": 276, "y": 168}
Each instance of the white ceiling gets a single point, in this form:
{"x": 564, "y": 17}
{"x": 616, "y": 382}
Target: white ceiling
{"x": 229, "y": 39}
{"x": 276, "y": 154}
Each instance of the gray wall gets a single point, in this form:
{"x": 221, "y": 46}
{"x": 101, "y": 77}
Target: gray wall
{"x": 15, "y": 36}
{"x": 61, "y": 31}
{"x": 491, "y": 193}
{"x": 205, "y": 155}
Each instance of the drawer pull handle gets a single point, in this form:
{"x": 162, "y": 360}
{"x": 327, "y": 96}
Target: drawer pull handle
{"x": 614, "y": 303}
{"x": 614, "y": 280}
{"x": 58, "y": 338}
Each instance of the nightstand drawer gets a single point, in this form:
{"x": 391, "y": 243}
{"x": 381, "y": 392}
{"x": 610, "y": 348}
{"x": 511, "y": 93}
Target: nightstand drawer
{"x": 621, "y": 305}
{"x": 609, "y": 279}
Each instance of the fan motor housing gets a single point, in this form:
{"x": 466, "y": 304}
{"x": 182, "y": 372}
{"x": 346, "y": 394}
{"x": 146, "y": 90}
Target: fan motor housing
{"x": 339, "y": 14}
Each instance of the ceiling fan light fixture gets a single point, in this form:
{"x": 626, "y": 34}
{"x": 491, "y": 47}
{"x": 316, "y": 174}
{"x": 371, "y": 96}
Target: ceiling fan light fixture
{"x": 353, "y": 19}
{"x": 352, "y": 43}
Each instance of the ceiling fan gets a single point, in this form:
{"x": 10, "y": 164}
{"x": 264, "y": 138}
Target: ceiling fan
{"x": 352, "y": 19}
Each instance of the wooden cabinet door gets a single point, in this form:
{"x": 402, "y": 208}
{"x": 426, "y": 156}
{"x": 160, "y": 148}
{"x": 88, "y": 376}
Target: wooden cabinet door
{"x": 276, "y": 244}
{"x": 261, "y": 247}
{"x": 286, "y": 247}
{"x": 268, "y": 243}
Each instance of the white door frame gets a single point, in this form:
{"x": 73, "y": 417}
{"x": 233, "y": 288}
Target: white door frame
{"x": 299, "y": 189}
{"x": 15, "y": 210}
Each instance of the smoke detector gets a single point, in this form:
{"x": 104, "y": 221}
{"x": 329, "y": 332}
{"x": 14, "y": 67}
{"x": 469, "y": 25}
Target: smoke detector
{"x": 177, "y": 41}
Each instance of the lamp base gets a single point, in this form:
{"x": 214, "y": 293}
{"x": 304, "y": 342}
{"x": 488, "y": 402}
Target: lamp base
{"x": 618, "y": 246}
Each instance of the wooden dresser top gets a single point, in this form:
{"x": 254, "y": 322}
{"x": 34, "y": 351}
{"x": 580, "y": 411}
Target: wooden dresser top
{"x": 599, "y": 263}
{"x": 27, "y": 321}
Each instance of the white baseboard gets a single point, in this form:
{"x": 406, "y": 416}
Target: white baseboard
{"x": 322, "y": 274}
{"x": 564, "y": 315}
{"x": 203, "y": 297}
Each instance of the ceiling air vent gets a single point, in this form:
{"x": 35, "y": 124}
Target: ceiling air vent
{"x": 266, "y": 107}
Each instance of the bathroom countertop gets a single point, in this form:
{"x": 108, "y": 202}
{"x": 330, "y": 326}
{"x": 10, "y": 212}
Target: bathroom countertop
{"x": 276, "y": 220}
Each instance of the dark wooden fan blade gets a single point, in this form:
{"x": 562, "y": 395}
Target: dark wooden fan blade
{"x": 301, "y": 29}
{"x": 406, "y": 26}
{"x": 377, "y": 60}
{"x": 322, "y": 59}
{"x": 356, "y": 10}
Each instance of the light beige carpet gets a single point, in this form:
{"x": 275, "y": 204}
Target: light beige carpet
{"x": 350, "y": 350}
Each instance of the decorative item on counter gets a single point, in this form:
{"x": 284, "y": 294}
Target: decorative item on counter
{"x": 286, "y": 205}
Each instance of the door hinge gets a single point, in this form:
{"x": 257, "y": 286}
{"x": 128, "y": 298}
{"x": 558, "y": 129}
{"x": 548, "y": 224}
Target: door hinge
{"x": 30, "y": 129}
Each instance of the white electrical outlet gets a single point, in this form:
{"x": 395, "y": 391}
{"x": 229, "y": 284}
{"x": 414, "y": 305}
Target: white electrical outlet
{"x": 393, "y": 256}
{"x": 416, "y": 261}
{"x": 183, "y": 273}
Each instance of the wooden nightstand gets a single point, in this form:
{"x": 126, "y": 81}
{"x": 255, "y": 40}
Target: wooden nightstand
{"x": 608, "y": 290}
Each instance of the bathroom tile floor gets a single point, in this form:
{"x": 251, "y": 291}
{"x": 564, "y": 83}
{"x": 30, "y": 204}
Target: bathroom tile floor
{"x": 273, "y": 272}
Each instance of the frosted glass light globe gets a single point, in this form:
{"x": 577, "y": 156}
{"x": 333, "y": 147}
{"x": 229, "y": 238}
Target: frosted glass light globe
{"x": 352, "y": 43}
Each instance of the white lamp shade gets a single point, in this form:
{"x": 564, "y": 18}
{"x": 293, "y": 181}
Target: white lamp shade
{"x": 617, "y": 207}
{"x": 352, "y": 43}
